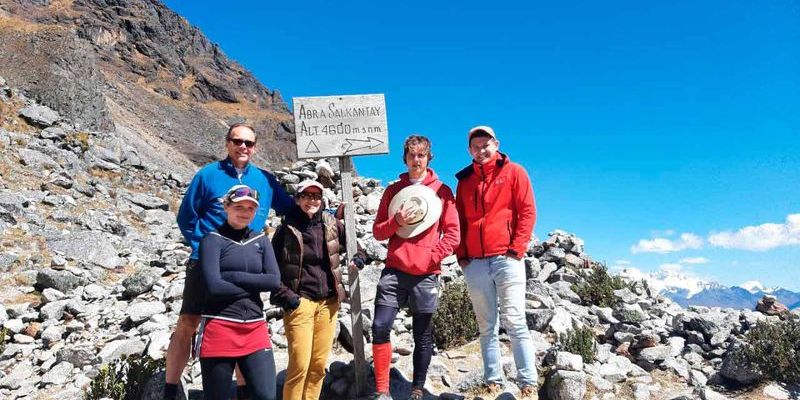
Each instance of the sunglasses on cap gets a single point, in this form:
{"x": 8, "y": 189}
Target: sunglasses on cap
{"x": 238, "y": 142}
{"x": 243, "y": 192}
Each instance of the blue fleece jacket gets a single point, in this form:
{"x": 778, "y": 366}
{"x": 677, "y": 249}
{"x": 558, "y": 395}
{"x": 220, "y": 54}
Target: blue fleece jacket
{"x": 201, "y": 211}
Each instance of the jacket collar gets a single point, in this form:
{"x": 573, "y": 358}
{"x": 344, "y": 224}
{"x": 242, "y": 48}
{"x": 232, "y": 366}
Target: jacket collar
{"x": 236, "y": 235}
{"x": 502, "y": 160}
{"x": 227, "y": 166}
{"x": 301, "y": 220}
{"x": 429, "y": 178}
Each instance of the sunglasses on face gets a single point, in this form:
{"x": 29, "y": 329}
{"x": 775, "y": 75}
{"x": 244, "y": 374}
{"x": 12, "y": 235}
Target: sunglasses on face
{"x": 238, "y": 142}
{"x": 243, "y": 192}
{"x": 311, "y": 196}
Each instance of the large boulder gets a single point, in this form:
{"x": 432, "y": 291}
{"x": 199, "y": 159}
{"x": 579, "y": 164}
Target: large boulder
{"x": 734, "y": 368}
{"x": 89, "y": 246}
{"x": 42, "y": 116}
{"x": 769, "y": 305}
{"x": 566, "y": 385}
{"x": 140, "y": 282}
{"x": 63, "y": 281}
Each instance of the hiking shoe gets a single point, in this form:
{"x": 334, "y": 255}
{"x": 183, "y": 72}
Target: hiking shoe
{"x": 493, "y": 387}
{"x": 416, "y": 394}
{"x": 529, "y": 392}
{"x": 381, "y": 396}
{"x": 490, "y": 389}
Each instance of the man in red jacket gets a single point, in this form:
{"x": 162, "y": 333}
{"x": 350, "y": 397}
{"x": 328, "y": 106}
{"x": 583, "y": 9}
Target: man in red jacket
{"x": 497, "y": 212}
{"x": 411, "y": 275}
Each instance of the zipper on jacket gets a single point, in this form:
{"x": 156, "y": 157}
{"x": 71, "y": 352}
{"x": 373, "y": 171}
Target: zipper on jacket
{"x": 299, "y": 236}
{"x": 483, "y": 208}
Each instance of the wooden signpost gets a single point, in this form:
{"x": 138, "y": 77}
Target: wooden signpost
{"x": 344, "y": 126}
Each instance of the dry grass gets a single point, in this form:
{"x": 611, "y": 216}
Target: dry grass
{"x": 80, "y": 139}
{"x": 114, "y": 177}
{"x": 10, "y": 119}
{"x": 249, "y": 110}
{"x": 26, "y": 245}
{"x": 34, "y": 298}
{"x": 19, "y": 25}
{"x": 187, "y": 82}
{"x": 64, "y": 6}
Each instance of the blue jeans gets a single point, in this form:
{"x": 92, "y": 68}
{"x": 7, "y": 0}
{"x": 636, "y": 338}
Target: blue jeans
{"x": 500, "y": 281}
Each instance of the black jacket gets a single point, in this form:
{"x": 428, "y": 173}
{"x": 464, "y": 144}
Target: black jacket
{"x": 237, "y": 265}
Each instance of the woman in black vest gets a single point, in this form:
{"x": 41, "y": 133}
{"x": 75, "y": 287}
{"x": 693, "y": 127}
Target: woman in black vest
{"x": 307, "y": 248}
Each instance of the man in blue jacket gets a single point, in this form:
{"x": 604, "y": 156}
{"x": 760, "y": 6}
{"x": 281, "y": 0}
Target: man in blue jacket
{"x": 201, "y": 212}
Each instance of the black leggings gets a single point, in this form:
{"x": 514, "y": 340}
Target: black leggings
{"x": 258, "y": 369}
{"x": 423, "y": 338}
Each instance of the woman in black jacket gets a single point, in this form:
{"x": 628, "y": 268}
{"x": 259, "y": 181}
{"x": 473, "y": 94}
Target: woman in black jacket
{"x": 237, "y": 265}
{"x": 307, "y": 246}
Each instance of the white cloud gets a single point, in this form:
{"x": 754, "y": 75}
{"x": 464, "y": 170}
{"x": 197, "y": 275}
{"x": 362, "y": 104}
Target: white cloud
{"x": 622, "y": 262}
{"x": 694, "y": 260}
{"x": 662, "y": 245}
{"x": 761, "y": 237}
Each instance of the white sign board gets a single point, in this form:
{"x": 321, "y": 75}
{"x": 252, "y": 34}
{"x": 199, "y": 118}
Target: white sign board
{"x": 337, "y": 126}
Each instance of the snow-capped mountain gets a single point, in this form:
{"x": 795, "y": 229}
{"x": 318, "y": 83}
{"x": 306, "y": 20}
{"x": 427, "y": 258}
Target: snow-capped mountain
{"x": 756, "y": 287}
{"x": 687, "y": 290}
{"x": 670, "y": 282}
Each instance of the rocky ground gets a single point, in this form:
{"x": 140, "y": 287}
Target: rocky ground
{"x": 92, "y": 269}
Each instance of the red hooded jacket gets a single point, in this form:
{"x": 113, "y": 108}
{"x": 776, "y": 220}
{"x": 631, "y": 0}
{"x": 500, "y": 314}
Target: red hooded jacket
{"x": 421, "y": 254}
{"x": 496, "y": 209}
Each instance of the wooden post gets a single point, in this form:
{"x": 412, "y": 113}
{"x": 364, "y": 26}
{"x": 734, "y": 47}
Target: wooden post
{"x": 346, "y": 168}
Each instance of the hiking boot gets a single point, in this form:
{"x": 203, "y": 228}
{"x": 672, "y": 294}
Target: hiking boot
{"x": 490, "y": 389}
{"x": 416, "y": 394}
{"x": 529, "y": 392}
{"x": 381, "y": 396}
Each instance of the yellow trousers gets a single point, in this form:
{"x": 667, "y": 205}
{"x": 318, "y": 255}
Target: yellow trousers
{"x": 309, "y": 332}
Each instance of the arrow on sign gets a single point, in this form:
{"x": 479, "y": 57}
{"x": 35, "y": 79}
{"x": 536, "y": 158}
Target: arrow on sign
{"x": 360, "y": 144}
{"x": 312, "y": 147}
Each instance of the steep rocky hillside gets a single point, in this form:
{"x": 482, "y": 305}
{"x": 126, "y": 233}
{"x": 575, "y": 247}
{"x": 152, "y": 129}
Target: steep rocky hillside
{"x": 91, "y": 269}
{"x": 138, "y": 69}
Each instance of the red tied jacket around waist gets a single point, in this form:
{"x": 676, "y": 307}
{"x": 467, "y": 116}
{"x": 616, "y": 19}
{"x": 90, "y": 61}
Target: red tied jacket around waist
{"x": 496, "y": 209}
{"x": 421, "y": 254}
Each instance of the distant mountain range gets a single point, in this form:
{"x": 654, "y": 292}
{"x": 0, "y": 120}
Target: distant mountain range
{"x": 689, "y": 291}
{"x": 734, "y": 297}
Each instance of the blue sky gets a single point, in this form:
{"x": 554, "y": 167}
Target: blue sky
{"x": 639, "y": 122}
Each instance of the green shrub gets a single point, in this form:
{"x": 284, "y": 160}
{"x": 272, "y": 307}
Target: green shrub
{"x": 123, "y": 379}
{"x": 774, "y": 349}
{"x": 579, "y": 341}
{"x": 598, "y": 287}
{"x": 454, "y": 322}
{"x": 3, "y": 334}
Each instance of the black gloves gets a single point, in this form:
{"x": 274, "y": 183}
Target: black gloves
{"x": 358, "y": 261}
{"x": 292, "y": 304}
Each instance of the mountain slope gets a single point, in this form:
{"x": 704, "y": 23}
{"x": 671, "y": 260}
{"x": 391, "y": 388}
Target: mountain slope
{"x": 136, "y": 66}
